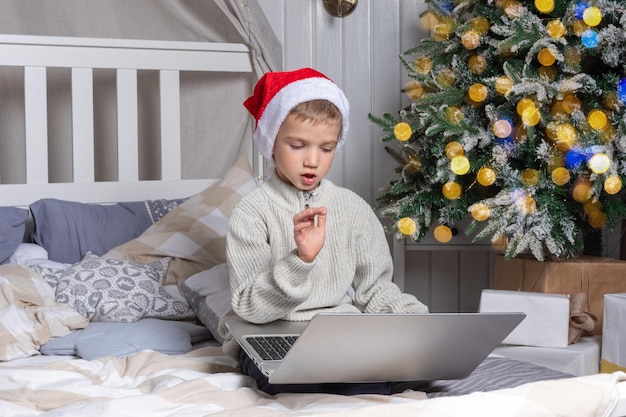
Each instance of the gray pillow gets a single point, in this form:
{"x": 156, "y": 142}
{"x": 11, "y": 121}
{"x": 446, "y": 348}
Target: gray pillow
{"x": 103, "y": 289}
{"x": 208, "y": 294}
{"x": 12, "y": 228}
{"x": 68, "y": 229}
{"x": 118, "y": 339}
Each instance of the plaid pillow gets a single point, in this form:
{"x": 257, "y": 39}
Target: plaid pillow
{"x": 194, "y": 233}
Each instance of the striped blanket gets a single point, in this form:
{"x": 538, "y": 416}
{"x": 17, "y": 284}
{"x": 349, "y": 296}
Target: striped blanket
{"x": 204, "y": 382}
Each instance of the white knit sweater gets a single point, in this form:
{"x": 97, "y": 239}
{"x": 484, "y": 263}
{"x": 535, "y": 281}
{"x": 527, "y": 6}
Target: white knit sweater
{"x": 269, "y": 281}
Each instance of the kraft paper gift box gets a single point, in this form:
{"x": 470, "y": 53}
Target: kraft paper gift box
{"x": 613, "y": 356}
{"x": 547, "y": 316}
{"x": 592, "y": 275}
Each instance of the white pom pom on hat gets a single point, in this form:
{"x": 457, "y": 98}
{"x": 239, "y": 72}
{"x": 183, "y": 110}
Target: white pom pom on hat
{"x": 276, "y": 93}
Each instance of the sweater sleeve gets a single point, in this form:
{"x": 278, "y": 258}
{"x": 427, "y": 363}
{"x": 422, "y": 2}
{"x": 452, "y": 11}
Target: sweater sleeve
{"x": 256, "y": 295}
{"x": 374, "y": 290}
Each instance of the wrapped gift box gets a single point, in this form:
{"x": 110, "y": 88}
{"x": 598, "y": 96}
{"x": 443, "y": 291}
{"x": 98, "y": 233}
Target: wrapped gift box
{"x": 592, "y": 275}
{"x": 613, "y": 337}
{"x": 547, "y": 316}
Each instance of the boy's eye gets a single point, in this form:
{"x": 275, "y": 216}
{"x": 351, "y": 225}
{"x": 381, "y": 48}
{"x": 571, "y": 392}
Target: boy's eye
{"x": 296, "y": 146}
{"x": 328, "y": 149}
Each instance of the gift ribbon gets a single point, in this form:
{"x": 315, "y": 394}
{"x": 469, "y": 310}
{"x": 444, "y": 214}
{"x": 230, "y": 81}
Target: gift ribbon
{"x": 579, "y": 319}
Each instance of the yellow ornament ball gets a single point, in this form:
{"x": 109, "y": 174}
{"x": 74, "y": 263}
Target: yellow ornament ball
{"x": 555, "y": 29}
{"x": 592, "y": 16}
{"x": 407, "y": 226}
{"x": 445, "y": 77}
{"x": 480, "y": 212}
{"x": 571, "y": 103}
{"x": 526, "y": 205}
{"x": 612, "y": 184}
{"x": 453, "y": 115}
{"x": 566, "y": 135}
{"x": 480, "y": 24}
{"x": 544, "y": 6}
{"x": 597, "y": 219}
{"x": 402, "y": 131}
{"x": 460, "y": 165}
{"x": 470, "y": 39}
{"x": 524, "y": 104}
{"x": 486, "y": 176}
{"x": 478, "y": 92}
{"x": 530, "y": 177}
{"x": 531, "y": 116}
{"x": 442, "y": 233}
{"x": 429, "y": 19}
{"x": 423, "y": 64}
{"x": 560, "y": 176}
{"x": 546, "y": 57}
{"x": 599, "y": 163}
{"x": 454, "y": 149}
{"x": 452, "y": 190}
{"x": 597, "y": 119}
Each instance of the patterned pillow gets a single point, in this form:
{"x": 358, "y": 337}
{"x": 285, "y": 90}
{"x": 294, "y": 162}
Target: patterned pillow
{"x": 117, "y": 290}
{"x": 194, "y": 233}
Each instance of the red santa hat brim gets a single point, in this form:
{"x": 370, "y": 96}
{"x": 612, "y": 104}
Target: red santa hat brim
{"x": 277, "y": 93}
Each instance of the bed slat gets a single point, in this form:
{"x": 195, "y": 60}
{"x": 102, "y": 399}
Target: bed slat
{"x": 127, "y": 125}
{"x": 170, "y": 125}
{"x": 82, "y": 124}
{"x": 36, "y": 129}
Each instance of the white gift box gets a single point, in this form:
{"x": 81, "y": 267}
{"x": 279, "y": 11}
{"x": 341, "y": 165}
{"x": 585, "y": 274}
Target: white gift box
{"x": 547, "y": 316}
{"x": 613, "y": 336}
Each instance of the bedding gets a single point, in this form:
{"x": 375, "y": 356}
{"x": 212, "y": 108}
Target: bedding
{"x": 12, "y": 228}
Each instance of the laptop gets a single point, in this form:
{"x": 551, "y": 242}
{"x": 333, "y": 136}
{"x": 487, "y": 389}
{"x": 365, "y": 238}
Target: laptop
{"x": 335, "y": 347}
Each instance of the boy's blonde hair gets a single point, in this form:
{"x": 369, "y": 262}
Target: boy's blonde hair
{"x": 317, "y": 111}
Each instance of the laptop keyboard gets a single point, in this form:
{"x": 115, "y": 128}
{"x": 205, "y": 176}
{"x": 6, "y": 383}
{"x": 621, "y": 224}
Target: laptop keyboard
{"x": 272, "y": 347}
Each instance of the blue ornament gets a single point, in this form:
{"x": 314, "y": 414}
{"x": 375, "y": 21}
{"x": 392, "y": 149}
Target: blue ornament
{"x": 574, "y": 158}
{"x": 621, "y": 90}
{"x": 446, "y": 7}
{"x": 580, "y": 9}
{"x": 590, "y": 38}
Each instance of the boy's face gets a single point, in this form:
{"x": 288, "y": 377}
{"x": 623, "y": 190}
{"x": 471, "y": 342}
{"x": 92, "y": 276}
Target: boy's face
{"x": 304, "y": 151}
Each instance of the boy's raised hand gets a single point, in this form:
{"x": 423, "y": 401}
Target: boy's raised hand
{"x": 308, "y": 233}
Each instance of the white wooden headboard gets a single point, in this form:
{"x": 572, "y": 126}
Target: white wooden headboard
{"x": 36, "y": 54}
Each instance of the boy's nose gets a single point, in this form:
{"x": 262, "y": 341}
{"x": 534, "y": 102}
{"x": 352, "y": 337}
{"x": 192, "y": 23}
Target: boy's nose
{"x": 312, "y": 158}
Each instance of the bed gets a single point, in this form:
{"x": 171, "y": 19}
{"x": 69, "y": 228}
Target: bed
{"x": 113, "y": 284}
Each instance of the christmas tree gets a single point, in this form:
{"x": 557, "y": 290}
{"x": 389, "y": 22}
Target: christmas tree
{"x": 517, "y": 119}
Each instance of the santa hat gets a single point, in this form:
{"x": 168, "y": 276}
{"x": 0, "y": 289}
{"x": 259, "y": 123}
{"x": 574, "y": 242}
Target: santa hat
{"x": 277, "y": 93}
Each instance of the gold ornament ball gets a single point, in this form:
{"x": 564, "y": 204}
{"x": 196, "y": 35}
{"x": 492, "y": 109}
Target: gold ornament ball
{"x": 445, "y": 77}
{"x": 590, "y": 206}
{"x": 566, "y": 136}
{"x": 480, "y": 24}
{"x": 526, "y": 204}
{"x": 612, "y": 184}
{"x": 486, "y": 176}
{"x": 478, "y": 92}
{"x": 470, "y": 39}
{"x": 530, "y": 177}
{"x": 460, "y": 165}
{"x": 544, "y": 6}
{"x": 452, "y": 190}
{"x": 442, "y": 233}
{"x": 407, "y": 226}
{"x": 548, "y": 73}
{"x": 402, "y": 131}
{"x": 423, "y": 64}
{"x": 599, "y": 163}
{"x": 571, "y": 103}
{"x": 480, "y": 212}
{"x": 513, "y": 8}
{"x": 524, "y": 104}
{"x": 546, "y": 57}
{"x": 453, "y": 115}
{"x": 597, "y": 119}
{"x": 453, "y": 149}
{"x": 429, "y": 19}
{"x": 578, "y": 27}
{"x": 443, "y": 29}
{"x": 592, "y": 16}
{"x": 597, "y": 219}
{"x": 503, "y": 84}
{"x": 414, "y": 89}
{"x": 581, "y": 190}
{"x": 560, "y": 176}
{"x": 477, "y": 64}
{"x": 555, "y": 29}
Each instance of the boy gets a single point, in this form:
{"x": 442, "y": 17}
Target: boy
{"x": 298, "y": 244}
